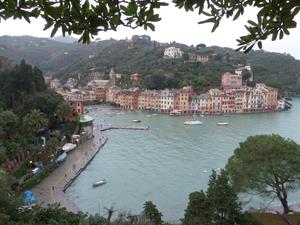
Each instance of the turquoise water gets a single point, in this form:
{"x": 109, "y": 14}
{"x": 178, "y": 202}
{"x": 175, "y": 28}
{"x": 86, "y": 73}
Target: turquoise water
{"x": 169, "y": 161}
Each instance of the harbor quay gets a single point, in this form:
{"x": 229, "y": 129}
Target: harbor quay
{"x": 51, "y": 189}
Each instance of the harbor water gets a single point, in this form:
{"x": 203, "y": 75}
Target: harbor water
{"x": 170, "y": 160}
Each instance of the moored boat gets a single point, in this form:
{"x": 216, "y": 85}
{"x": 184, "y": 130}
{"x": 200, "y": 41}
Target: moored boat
{"x": 222, "y": 123}
{"x": 136, "y": 121}
{"x": 99, "y": 183}
{"x": 192, "y": 122}
{"x": 175, "y": 113}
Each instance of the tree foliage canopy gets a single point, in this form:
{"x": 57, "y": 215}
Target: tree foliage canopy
{"x": 35, "y": 121}
{"x": 219, "y": 205}
{"x": 268, "y": 165}
{"x": 19, "y": 82}
{"x": 152, "y": 213}
{"x": 87, "y": 18}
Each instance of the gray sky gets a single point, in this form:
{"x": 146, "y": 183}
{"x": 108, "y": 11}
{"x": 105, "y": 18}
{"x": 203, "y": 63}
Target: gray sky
{"x": 176, "y": 25}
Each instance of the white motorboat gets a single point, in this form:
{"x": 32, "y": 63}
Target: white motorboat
{"x": 68, "y": 147}
{"x": 192, "y": 122}
{"x": 136, "y": 121}
{"x": 175, "y": 113}
{"x": 222, "y": 123}
{"x": 99, "y": 183}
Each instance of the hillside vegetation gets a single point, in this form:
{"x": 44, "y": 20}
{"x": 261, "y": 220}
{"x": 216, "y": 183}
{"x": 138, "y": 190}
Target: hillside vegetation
{"x": 140, "y": 55}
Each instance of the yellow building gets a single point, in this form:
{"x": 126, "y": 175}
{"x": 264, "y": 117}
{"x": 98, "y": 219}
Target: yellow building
{"x": 270, "y": 96}
{"x": 184, "y": 102}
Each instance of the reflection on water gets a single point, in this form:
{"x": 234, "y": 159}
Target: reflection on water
{"x": 167, "y": 162}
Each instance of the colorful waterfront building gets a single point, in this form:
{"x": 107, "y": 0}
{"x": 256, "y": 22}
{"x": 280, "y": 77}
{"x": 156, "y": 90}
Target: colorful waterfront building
{"x": 157, "y": 102}
{"x": 239, "y": 98}
{"x": 257, "y": 100}
{"x": 271, "y": 96}
{"x": 184, "y": 99}
{"x": 128, "y": 99}
{"x": 76, "y": 105}
{"x": 228, "y": 103}
{"x": 216, "y": 100}
{"x": 281, "y": 104}
{"x": 100, "y": 93}
{"x": 167, "y": 99}
{"x": 228, "y": 100}
{"x": 142, "y": 104}
{"x": 205, "y": 103}
{"x": 195, "y": 104}
{"x": 112, "y": 94}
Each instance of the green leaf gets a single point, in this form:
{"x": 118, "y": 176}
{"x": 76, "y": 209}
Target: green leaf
{"x": 210, "y": 20}
{"x": 27, "y": 19}
{"x": 86, "y": 6}
{"x": 252, "y": 23}
{"x": 215, "y": 26}
{"x": 48, "y": 25}
{"x": 274, "y": 35}
{"x": 286, "y": 31}
{"x": 132, "y": 8}
{"x": 54, "y": 30}
{"x": 237, "y": 15}
{"x": 151, "y": 26}
{"x": 281, "y": 34}
{"x": 296, "y": 11}
{"x": 248, "y": 49}
{"x": 259, "y": 44}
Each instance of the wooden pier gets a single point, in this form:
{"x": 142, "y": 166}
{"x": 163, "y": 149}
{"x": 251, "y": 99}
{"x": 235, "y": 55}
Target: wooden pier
{"x": 111, "y": 127}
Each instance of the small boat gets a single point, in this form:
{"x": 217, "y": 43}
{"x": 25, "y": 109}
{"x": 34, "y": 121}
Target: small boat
{"x": 175, "y": 113}
{"x": 99, "y": 183}
{"x": 222, "y": 124}
{"x": 136, "y": 121}
{"x": 192, "y": 122}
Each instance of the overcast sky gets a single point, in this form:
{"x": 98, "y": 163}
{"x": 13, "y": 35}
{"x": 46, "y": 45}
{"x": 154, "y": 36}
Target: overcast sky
{"x": 176, "y": 25}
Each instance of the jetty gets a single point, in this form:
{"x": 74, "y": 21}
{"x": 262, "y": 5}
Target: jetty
{"x": 52, "y": 188}
{"x": 111, "y": 127}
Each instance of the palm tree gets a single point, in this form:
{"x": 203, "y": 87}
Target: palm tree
{"x": 63, "y": 111}
{"x": 35, "y": 121}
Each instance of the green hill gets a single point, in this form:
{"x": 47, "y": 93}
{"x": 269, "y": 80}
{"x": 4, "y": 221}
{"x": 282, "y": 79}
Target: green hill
{"x": 144, "y": 56}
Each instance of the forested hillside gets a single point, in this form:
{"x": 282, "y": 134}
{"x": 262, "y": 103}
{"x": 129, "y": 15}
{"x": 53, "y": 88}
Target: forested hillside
{"x": 143, "y": 56}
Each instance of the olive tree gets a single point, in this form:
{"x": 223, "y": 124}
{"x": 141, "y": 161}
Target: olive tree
{"x": 267, "y": 165}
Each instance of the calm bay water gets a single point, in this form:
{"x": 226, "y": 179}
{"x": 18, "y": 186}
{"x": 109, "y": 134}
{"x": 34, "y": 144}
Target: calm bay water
{"x": 169, "y": 161}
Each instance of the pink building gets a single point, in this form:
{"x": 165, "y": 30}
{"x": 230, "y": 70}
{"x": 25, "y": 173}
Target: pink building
{"x": 231, "y": 81}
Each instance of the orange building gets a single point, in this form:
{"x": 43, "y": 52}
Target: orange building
{"x": 129, "y": 99}
{"x": 100, "y": 94}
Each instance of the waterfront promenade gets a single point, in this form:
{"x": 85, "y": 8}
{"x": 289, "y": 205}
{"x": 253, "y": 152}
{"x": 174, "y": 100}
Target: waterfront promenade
{"x": 51, "y": 189}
